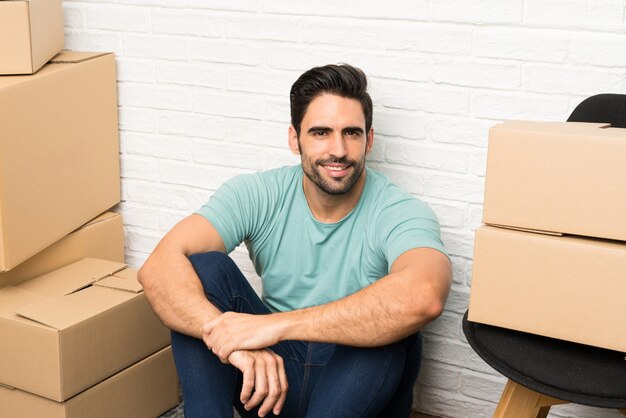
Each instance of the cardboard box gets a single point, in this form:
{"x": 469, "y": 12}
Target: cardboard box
{"x": 569, "y": 288}
{"x": 144, "y": 390}
{"x": 102, "y": 237}
{"x": 563, "y": 177}
{"x": 59, "y": 152}
{"x": 31, "y": 33}
{"x": 67, "y": 330}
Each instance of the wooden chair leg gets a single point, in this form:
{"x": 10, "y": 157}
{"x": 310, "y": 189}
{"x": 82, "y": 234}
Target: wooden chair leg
{"x": 518, "y": 401}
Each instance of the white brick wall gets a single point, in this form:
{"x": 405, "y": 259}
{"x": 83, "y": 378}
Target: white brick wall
{"x": 203, "y": 87}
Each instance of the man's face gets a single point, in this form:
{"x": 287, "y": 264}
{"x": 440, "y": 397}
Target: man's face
{"x": 333, "y": 143}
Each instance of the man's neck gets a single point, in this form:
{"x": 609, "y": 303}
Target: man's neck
{"x": 329, "y": 208}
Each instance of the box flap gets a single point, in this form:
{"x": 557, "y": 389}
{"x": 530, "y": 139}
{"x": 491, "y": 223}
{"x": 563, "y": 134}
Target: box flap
{"x": 56, "y": 312}
{"x": 76, "y": 276}
{"x": 116, "y": 282}
{"x": 73, "y": 57}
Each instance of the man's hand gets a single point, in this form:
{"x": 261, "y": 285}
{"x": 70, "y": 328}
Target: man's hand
{"x": 264, "y": 374}
{"x": 233, "y": 331}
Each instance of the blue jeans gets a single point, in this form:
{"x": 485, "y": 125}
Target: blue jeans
{"x": 325, "y": 380}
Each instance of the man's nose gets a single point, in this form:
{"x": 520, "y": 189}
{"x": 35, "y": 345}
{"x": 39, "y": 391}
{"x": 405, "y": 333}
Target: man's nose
{"x": 338, "y": 146}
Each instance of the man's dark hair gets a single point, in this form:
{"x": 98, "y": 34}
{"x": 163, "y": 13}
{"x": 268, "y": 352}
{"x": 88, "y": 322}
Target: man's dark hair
{"x": 343, "y": 80}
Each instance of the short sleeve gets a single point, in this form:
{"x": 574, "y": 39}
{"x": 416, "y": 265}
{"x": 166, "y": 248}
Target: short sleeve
{"x": 405, "y": 224}
{"x": 231, "y": 210}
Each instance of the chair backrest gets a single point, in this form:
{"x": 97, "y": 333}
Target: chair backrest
{"x": 600, "y": 108}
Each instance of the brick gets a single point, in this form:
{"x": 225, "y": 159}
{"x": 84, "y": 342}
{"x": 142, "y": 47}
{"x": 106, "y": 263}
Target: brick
{"x": 157, "y": 97}
{"x": 239, "y": 105}
{"x": 458, "y": 299}
{"x": 156, "y": 46}
{"x": 425, "y": 98}
{"x": 255, "y": 80}
{"x": 281, "y": 28}
{"x": 343, "y": 32}
{"x": 572, "y": 80}
{"x": 137, "y": 167}
{"x": 187, "y": 22}
{"x": 191, "y": 124}
{"x": 238, "y": 52}
{"x": 140, "y": 215}
{"x": 301, "y": 59}
{"x": 176, "y": 173}
{"x": 450, "y": 215}
{"x": 426, "y": 156}
{"x": 459, "y": 243}
{"x": 453, "y": 353}
{"x": 474, "y": 217}
{"x": 137, "y": 70}
{"x": 168, "y": 147}
{"x": 481, "y": 386}
{"x": 137, "y": 119}
{"x": 456, "y": 130}
{"x": 119, "y": 18}
{"x": 522, "y": 44}
{"x": 169, "y": 218}
{"x": 410, "y": 179}
{"x": 477, "y": 74}
{"x": 478, "y": 162}
{"x": 459, "y": 270}
{"x": 447, "y": 325}
{"x": 443, "y": 403}
{"x": 230, "y": 155}
{"x": 155, "y": 194}
{"x": 140, "y": 239}
{"x": 450, "y": 187}
{"x": 257, "y": 132}
{"x": 135, "y": 259}
{"x": 400, "y": 123}
{"x": 430, "y": 37}
{"x": 598, "y": 49}
{"x": 300, "y": 7}
{"x": 276, "y": 109}
{"x": 73, "y": 15}
{"x": 193, "y": 74}
{"x": 438, "y": 375}
{"x": 276, "y": 157}
{"x": 239, "y": 5}
{"x": 393, "y": 65}
{"x": 90, "y": 41}
{"x": 398, "y": 9}
{"x": 522, "y": 106}
{"x": 479, "y": 11}
{"x": 603, "y": 15}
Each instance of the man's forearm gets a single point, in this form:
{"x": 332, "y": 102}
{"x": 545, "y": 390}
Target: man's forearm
{"x": 380, "y": 314}
{"x": 175, "y": 292}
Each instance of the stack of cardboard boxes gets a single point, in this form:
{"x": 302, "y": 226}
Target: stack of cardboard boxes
{"x": 77, "y": 336}
{"x": 552, "y": 258}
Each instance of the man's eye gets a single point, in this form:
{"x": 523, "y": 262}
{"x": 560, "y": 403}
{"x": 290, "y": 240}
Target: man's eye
{"x": 319, "y": 133}
{"x": 352, "y": 133}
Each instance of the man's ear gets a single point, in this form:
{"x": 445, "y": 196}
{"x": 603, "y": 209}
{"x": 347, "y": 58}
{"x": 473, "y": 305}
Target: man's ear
{"x": 293, "y": 140}
{"x": 370, "y": 141}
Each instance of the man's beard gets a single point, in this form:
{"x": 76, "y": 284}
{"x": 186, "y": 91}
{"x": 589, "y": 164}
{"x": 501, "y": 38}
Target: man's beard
{"x": 333, "y": 186}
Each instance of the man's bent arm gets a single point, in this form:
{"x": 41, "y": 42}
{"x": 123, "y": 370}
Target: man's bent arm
{"x": 171, "y": 284}
{"x": 390, "y": 309}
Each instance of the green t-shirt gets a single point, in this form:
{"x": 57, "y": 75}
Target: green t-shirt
{"x": 303, "y": 262}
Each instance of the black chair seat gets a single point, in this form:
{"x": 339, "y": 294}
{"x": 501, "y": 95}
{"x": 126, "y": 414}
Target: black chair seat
{"x": 568, "y": 371}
